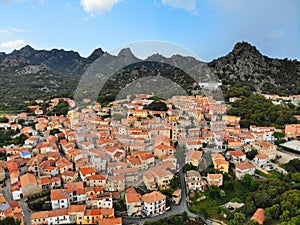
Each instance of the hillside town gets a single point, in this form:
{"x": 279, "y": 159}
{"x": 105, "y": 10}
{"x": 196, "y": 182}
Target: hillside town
{"x": 137, "y": 157}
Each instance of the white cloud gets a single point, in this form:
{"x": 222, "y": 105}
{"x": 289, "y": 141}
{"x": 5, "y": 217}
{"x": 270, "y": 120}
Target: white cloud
{"x": 12, "y": 44}
{"x": 98, "y": 6}
{"x": 188, "y": 5}
{"x": 4, "y": 32}
{"x": 18, "y": 30}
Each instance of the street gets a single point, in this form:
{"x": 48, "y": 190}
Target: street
{"x": 8, "y": 196}
{"x": 175, "y": 209}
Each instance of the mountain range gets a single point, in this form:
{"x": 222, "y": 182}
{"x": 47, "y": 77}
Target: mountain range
{"x": 29, "y": 74}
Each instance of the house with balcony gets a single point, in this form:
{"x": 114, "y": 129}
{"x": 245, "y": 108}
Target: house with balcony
{"x": 154, "y": 203}
{"x": 193, "y": 180}
{"x": 242, "y": 169}
{"x": 133, "y": 202}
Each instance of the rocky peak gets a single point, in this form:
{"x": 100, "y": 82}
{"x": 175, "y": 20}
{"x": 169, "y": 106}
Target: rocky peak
{"x": 244, "y": 48}
{"x": 95, "y": 55}
{"x": 125, "y": 52}
{"x": 25, "y": 52}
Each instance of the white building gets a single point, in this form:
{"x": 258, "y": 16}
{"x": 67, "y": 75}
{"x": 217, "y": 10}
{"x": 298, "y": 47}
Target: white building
{"x": 60, "y": 199}
{"x": 261, "y": 160}
{"x": 16, "y": 192}
{"x": 154, "y": 203}
{"x": 58, "y": 216}
{"x": 193, "y": 180}
{"x": 215, "y": 179}
{"x": 242, "y": 169}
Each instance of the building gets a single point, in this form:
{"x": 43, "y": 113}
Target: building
{"x": 157, "y": 177}
{"x": 242, "y": 169}
{"x": 154, "y": 203}
{"x": 292, "y": 130}
{"x": 237, "y": 156}
{"x": 2, "y": 174}
{"x": 193, "y": 157}
{"x": 60, "y": 199}
{"x": 261, "y": 160}
{"x": 176, "y": 196}
{"x": 97, "y": 180}
{"x": 86, "y": 172}
{"x": 29, "y": 185}
{"x": 133, "y": 202}
{"x": 220, "y": 163}
{"x": 100, "y": 201}
{"x": 193, "y": 180}
{"x": 215, "y": 179}
{"x": 265, "y": 148}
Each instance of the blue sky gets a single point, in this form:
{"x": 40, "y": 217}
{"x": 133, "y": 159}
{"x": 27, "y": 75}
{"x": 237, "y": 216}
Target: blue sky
{"x": 210, "y": 28}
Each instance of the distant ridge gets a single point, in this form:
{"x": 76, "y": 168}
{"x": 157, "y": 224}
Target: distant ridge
{"x": 28, "y": 74}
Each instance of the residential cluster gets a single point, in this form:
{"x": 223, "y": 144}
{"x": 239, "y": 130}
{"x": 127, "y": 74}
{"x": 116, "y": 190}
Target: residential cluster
{"x": 94, "y": 156}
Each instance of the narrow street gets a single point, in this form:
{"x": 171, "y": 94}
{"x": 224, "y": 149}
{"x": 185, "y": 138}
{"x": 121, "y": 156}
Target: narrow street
{"x": 8, "y": 197}
{"x": 175, "y": 209}
{"x": 26, "y": 212}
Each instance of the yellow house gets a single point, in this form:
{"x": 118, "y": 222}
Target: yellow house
{"x": 163, "y": 150}
{"x": 142, "y": 113}
{"x": 92, "y": 216}
{"x": 76, "y": 213}
{"x": 231, "y": 119}
{"x": 220, "y": 163}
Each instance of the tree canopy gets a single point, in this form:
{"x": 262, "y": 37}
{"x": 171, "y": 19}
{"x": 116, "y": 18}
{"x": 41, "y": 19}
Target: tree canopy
{"x": 256, "y": 110}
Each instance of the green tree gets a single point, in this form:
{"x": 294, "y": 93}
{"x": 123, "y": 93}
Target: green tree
{"x": 278, "y": 135}
{"x": 285, "y": 217}
{"x": 254, "y": 184}
{"x": 251, "y": 154}
{"x": 249, "y": 208}
{"x": 247, "y": 180}
{"x": 273, "y": 211}
{"x": 262, "y": 199}
{"x": 296, "y": 176}
{"x": 157, "y": 106}
{"x": 213, "y": 192}
{"x": 239, "y": 218}
{"x": 293, "y": 166}
{"x": 10, "y": 221}
{"x": 253, "y": 222}
{"x": 3, "y": 120}
{"x": 290, "y": 201}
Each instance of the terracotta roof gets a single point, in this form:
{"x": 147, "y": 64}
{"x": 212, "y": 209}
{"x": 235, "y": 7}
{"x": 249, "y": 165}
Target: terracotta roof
{"x": 59, "y": 194}
{"x": 28, "y": 178}
{"x": 264, "y": 144}
{"x": 236, "y": 153}
{"x": 193, "y": 154}
{"x": 153, "y": 197}
{"x": 259, "y": 216}
{"x": 244, "y": 166}
{"x": 58, "y": 212}
{"x": 39, "y": 215}
{"x": 111, "y": 221}
{"x": 193, "y": 173}
{"x": 76, "y": 208}
{"x": 132, "y": 197}
{"x": 85, "y": 171}
{"x": 261, "y": 156}
{"x": 74, "y": 185}
{"x": 96, "y": 177}
{"x": 214, "y": 176}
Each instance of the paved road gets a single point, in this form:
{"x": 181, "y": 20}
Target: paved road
{"x": 26, "y": 212}
{"x": 175, "y": 209}
{"x": 287, "y": 156}
{"x": 8, "y": 197}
